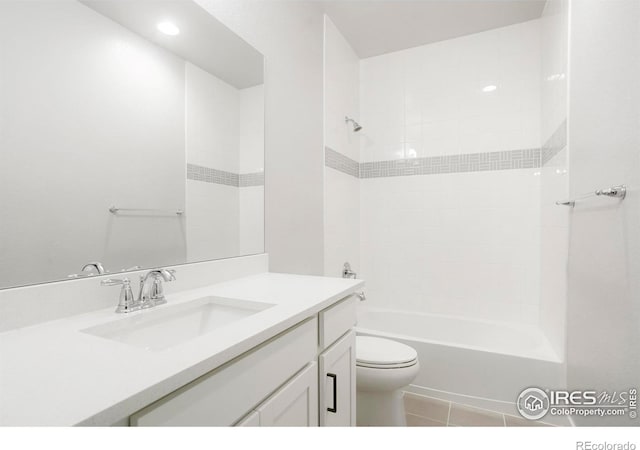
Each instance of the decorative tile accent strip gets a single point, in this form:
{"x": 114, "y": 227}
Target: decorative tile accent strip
{"x": 209, "y": 175}
{"x": 251, "y": 179}
{"x": 340, "y": 162}
{"x": 469, "y": 162}
{"x": 554, "y": 144}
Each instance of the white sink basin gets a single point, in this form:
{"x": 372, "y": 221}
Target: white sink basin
{"x": 165, "y": 327}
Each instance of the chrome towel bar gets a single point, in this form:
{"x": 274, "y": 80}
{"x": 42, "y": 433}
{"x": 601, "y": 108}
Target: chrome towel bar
{"x": 114, "y": 210}
{"x": 614, "y": 191}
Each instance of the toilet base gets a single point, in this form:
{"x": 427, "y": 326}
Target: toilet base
{"x": 380, "y": 409}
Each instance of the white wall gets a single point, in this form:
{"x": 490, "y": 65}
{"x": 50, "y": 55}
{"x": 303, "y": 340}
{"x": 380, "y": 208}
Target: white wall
{"x": 341, "y": 92}
{"x": 554, "y": 177}
{"x": 341, "y": 190}
{"x": 465, "y": 244}
{"x": 603, "y": 342}
{"x": 65, "y": 143}
{"x": 289, "y": 34}
{"x": 457, "y": 244}
{"x": 251, "y": 152}
{"x": 428, "y": 100}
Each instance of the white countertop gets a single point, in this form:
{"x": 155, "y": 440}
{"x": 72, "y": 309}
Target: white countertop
{"x": 54, "y": 374}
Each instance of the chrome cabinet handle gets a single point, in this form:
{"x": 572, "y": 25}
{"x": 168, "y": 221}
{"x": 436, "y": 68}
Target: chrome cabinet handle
{"x": 335, "y": 393}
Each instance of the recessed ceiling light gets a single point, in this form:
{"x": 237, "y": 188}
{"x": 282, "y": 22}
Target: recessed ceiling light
{"x": 490, "y": 88}
{"x": 168, "y": 28}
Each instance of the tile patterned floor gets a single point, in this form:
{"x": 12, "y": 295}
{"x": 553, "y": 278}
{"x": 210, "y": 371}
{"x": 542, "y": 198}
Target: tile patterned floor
{"x": 424, "y": 411}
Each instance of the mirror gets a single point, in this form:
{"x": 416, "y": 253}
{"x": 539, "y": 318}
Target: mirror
{"x": 131, "y": 133}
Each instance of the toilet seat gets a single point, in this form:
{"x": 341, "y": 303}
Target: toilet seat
{"x": 379, "y": 353}
{"x": 387, "y": 366}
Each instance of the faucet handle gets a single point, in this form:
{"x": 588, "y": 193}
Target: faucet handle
{"x": 172, "y": 274}
{"x": 347, "y": 272}
{"x": 157, "y": 291}
{"x": 127, "y": 302}
{"x": 97, "y": 265}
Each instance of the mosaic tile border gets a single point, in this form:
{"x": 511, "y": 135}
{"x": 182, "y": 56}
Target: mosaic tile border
{"x": 468, "y": 162}
{"x": 210, "y": 175}
{"x": 340, "y": 162}
{"x": 251, "y": 179}
{"x": 554, "y": 144}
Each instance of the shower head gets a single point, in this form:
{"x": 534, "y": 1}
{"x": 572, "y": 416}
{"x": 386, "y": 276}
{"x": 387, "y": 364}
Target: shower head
{"x": 356, "y": 125}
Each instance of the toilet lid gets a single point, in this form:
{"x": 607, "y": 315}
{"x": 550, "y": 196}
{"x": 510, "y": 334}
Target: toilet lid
{"x": 378, "y": 352}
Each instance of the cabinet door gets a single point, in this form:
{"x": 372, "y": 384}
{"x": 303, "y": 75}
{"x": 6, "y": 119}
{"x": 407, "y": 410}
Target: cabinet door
{"x": 338, "y": 383}
{"x": 295, "y": 404}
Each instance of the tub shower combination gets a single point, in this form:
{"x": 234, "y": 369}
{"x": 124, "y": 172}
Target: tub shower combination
{"x": 480, "y": 363}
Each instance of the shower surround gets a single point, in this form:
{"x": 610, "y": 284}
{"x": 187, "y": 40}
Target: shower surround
{"x": 464, "y": 238}
{"x": 443, "y": 202}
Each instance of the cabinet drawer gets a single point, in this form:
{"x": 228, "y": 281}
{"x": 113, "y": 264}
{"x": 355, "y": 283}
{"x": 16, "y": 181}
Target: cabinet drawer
{"x": 226, "y": 394}
{"x": 337, "y": 320}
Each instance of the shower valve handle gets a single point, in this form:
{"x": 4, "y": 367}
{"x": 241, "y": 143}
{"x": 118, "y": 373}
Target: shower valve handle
{"x": 347, "y": 272}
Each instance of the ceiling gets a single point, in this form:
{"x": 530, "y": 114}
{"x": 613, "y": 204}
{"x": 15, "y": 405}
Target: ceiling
{"x": 374, "y": 27}
{"x": 203, "y": 40}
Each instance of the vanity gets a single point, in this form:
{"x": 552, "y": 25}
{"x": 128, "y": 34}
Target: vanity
{"x": 281, "y": 354}
{"x": 276, "y": 383}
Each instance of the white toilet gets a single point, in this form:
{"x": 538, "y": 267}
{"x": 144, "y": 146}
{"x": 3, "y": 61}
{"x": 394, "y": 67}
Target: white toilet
{"x": 383, "y": 368}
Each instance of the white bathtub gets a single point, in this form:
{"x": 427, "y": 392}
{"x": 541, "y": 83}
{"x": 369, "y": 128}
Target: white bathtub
{"x": 477, "y": 361}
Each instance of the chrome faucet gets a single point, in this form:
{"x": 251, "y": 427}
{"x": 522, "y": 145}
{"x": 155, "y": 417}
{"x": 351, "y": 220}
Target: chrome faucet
{"x": 151, "y": 291}
{"x": 97, "y": 265}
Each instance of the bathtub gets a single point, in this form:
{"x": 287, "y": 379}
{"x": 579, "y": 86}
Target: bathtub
{"x": 480, "y": 363}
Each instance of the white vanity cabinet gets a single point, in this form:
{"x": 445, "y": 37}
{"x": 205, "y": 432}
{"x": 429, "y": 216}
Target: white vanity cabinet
{"x": 337, "y": 364}
{"x": 304, "y": 376}
{"x": 226, "y": 394}
{"x": 337, "y": 379}
{"x": 293, "y": 405}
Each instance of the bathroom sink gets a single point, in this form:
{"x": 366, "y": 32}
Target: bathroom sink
{"x": 165, "y": 327}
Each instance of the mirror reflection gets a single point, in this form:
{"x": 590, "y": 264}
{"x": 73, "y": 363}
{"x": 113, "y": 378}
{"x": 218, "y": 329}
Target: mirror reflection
{"x": 131, "y": 135}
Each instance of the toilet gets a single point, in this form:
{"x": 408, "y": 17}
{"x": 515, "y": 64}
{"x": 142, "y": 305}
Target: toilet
{"x": 383, "y": 368}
